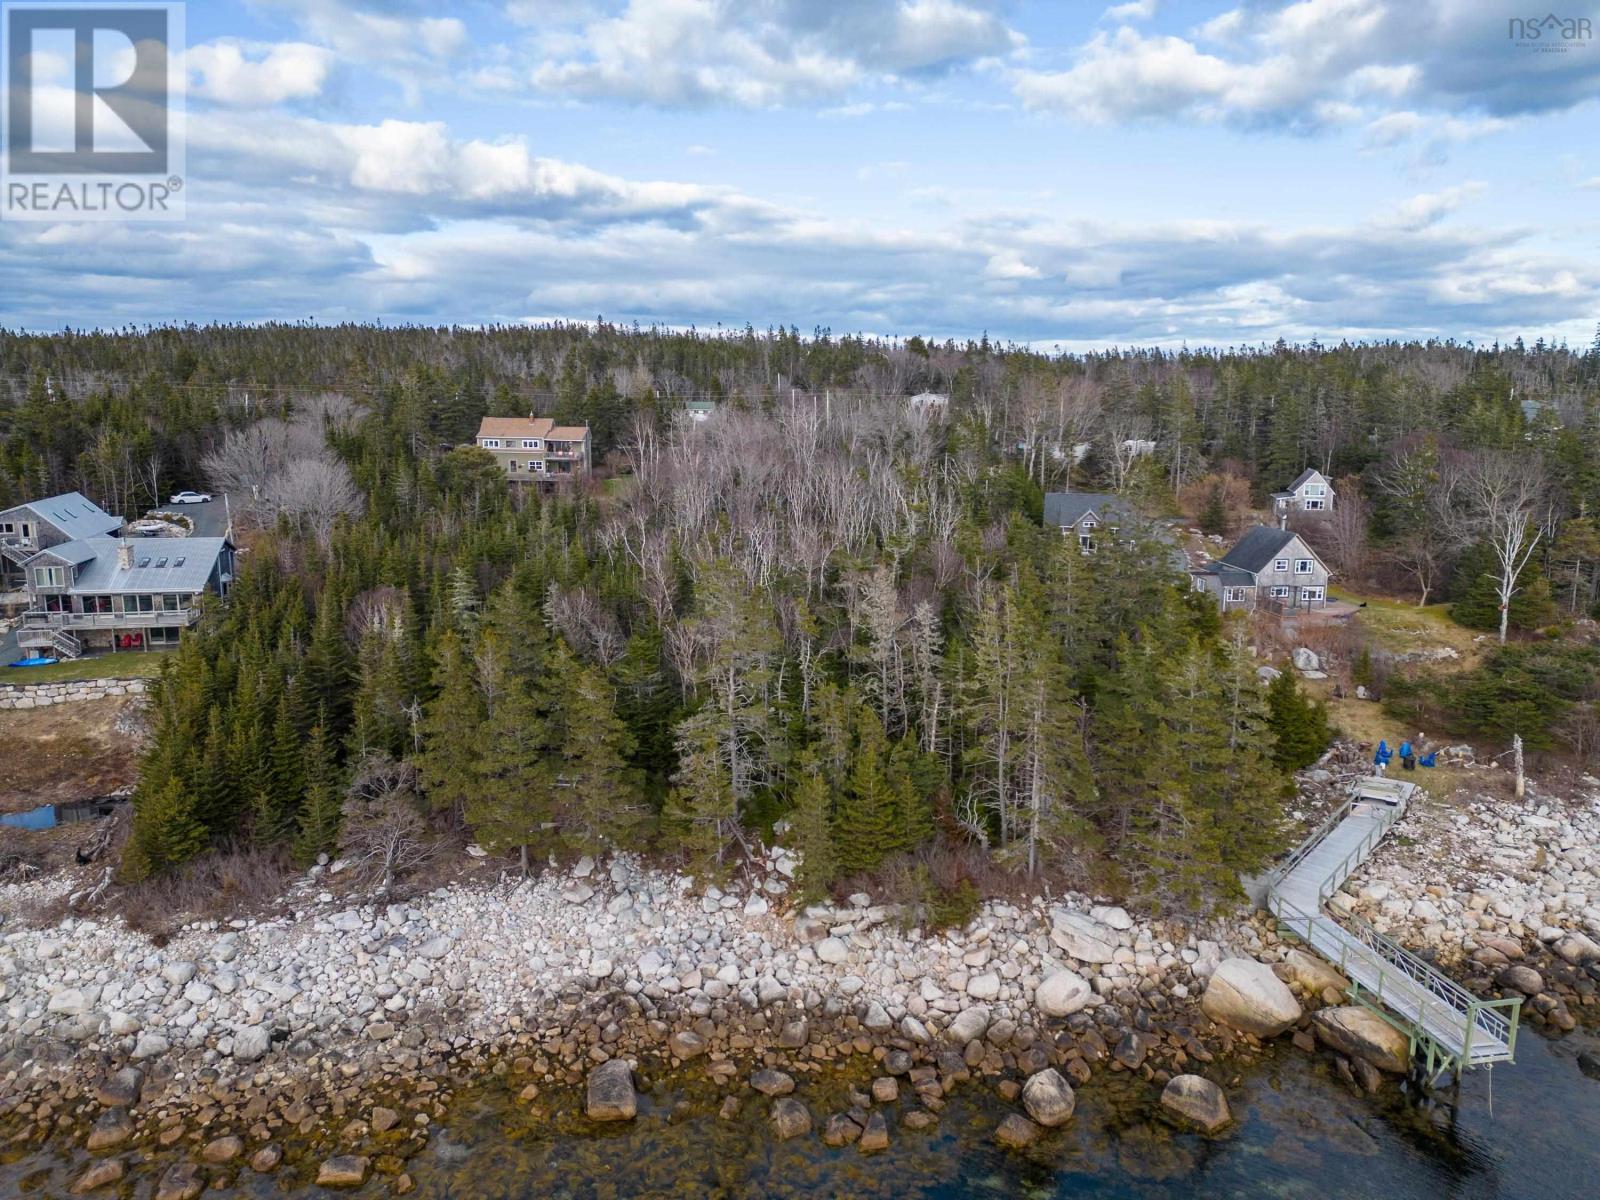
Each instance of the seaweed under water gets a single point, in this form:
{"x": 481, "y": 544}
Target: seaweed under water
{"x": 1528, "y": 1132}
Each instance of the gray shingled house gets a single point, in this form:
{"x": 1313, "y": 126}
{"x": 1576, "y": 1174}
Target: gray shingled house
{"x": 1310, "y": 492}
{"x": 29, "y": 528}
{"x": 91, "y": 590}
{"x": 1267, "y": 568}
{"x": 1081, "y": 515}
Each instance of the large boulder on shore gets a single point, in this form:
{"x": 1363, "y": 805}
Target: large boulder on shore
{"x": 1197, "y": 1100}
{"x": 1063, "y": 994}
{"x": 970, "y": 1025}
{"x": 611, "y": 1096}
{"x": 1081, "y": 936}
{"x": 1246, "y": 995}
{"x": 1048, "y": 1098}
{"x": 1361, "y": 1033}
{"x": 1314, "y": 974}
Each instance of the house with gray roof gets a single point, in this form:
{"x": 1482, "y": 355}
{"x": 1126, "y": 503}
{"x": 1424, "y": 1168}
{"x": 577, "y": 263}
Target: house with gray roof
{"x": 40, "y": 524}
{"x": 102, "y": 592}
{"x": 1272, "y": 569}
{"x": 1310, "y": 492}
{"x": 1081, "y": 515}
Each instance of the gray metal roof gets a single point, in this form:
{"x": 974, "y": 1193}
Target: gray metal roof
{"x": 1062, "y": 509}
{"x": 73, "y": 513}
{"x": 1257, "y": 548}
{"x": 159, "y": 564}
{"x": 1229, "y": 576}
{"x": 1303, "y": 478}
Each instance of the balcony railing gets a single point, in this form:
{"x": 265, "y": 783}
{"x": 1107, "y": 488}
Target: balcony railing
{"x": 181, "y": 618}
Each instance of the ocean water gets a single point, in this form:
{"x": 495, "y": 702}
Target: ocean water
{"x": 1525, "y": 1132}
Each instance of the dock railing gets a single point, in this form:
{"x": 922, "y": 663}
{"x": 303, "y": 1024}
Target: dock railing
{"x": 1432, "y": 1009}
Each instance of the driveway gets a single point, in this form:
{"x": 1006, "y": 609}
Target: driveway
{"x": 210, "y": 519}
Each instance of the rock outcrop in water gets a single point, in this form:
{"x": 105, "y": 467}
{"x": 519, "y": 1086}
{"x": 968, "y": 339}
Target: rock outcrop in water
{"x": 610, "y": 1093}
{"x": 1198, "y": 1101}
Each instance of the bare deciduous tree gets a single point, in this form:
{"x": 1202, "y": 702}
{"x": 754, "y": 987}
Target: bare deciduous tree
{"x": 384, "y": 829}
{"x": 1504, "y": 494}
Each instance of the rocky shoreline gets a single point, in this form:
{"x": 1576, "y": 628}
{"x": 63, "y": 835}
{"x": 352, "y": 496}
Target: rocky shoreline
{"x": 335, "y": 1036}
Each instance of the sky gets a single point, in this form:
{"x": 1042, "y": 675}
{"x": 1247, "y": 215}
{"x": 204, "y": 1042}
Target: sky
{"x": 1064, "y": 174}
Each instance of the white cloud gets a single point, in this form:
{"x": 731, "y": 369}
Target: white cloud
{"x": 1427, "y": 209}
{"x": 404, "y": 44}
{"x": 253, "y": 75}
{"x": 760, "y": 53}
{"x": 403, "y": 220}
{"x": 1306, "y": 64}
{"x": 1136, "y": 10}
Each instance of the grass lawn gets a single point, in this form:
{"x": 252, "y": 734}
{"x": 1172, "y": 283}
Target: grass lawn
{"x": 100, "y": 666}
{"x": 1399, "y": 626}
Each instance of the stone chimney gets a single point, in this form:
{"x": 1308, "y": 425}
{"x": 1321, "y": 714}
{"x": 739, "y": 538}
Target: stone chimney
{"x": 124, "y": 555}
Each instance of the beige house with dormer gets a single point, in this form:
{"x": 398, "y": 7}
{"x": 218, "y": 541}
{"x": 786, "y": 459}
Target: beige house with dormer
{"x": 535, "y": 449}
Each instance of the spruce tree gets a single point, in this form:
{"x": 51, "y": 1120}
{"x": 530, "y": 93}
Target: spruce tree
{"x": 811, "y": 828}
{"x": 1214, "y": 516}
{"x": 322, "y": 809}
{"x": 1299, "y": 724}
{"x": 702, "y": 812}
{"x": 167, "y": 830}
{"x": 868, "y": 817}
{"x": 451, "y": 730}
{"x": 600, "y": 800}
{"x": 510, "y": 805}
{"x": 277, "y": 803}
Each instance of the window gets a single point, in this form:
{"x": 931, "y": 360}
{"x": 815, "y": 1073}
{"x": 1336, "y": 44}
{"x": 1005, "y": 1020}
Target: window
{"x": 1235, "y": 595}
{"x": 145, "y": 561}
{"x": 1280, "y": 593}
{"x": 1281, "y": 564}
{"x": 97, "y": 604}
{"x": 1315, "y": 505}
{"x": 170, "y": 603}
{"x": 161, "y": 562}
{"x": 139, "y": 604}
{"x": 1086, "y": 542}
{"x": 1198, "y": 583}
{"x": 50, "y": 577}
{"x": 7, "y": 527}
{"x": 512, "y": 465}
{"x": 490, "y": 443}
{"x": 1303, "y": 566}
{"x": 178, "y": 562}
{"x": 1311, "y": 594}
{"x": 530, "y": 443}
{"x": 1314, "y": 490}
{"x": 538, "y": 466}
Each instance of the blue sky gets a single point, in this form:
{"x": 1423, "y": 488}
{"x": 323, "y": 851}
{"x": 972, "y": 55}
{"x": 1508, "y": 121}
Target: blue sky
{"x": 1066, "y": 174}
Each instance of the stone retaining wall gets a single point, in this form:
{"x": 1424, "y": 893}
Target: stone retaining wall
{"x": 43, "y": 695}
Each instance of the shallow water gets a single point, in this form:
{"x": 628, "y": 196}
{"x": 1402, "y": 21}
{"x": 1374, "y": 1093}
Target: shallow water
{"x": 48, "y": 816}
{"x": 1302, "y": 1134}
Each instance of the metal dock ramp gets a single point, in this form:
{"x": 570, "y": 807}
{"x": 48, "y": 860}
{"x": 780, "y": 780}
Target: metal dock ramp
{"x": 1450, "y": 1029}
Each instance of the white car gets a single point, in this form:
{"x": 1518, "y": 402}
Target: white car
{"x": 190, "y": 498}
